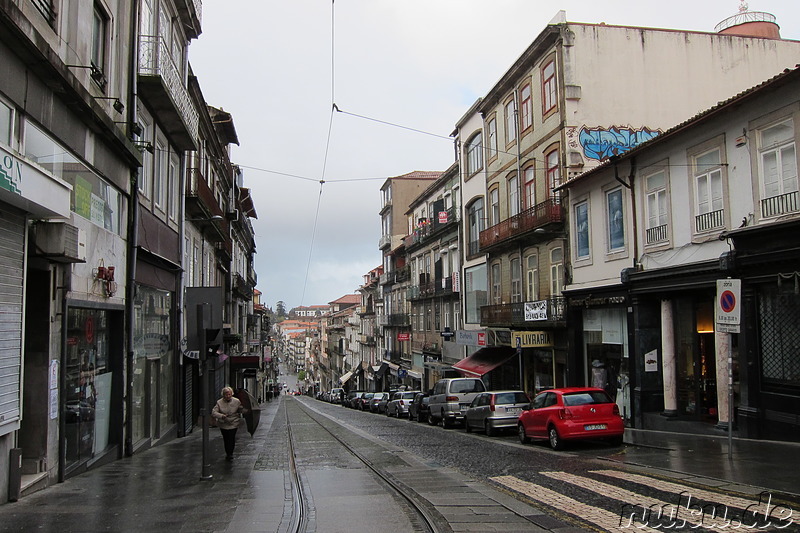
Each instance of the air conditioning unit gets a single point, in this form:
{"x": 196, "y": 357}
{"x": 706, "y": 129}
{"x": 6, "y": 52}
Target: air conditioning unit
{"x": 60, "y": 242}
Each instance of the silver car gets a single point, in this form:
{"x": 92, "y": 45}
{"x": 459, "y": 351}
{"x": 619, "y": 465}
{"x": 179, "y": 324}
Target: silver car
{"x": 495, "y": 410}
{"x": 450, "y": 399}
{"x": 400, "y": 402}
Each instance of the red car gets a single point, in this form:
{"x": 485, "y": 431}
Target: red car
{"x": 573, "y": 413}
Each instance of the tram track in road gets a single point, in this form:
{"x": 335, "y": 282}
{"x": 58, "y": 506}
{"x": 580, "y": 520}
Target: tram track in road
{"x": 422, "y": 514}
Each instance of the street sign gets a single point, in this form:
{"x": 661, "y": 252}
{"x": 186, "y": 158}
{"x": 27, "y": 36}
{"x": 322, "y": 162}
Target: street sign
{"x": 728, "y": 308}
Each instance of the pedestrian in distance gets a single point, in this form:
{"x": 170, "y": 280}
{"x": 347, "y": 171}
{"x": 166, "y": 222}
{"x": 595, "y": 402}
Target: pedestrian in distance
{"x": 228, "y": 413}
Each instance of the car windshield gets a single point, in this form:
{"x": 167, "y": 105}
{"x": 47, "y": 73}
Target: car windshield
{"x": 368, "y": 395}
{"x": 409, "y": 395}
{"x": 585, "y": 398}
{"x": 510, "y": 397}
{"x": 472, "y": 385}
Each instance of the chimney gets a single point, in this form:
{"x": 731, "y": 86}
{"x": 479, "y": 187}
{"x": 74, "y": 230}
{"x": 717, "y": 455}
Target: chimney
{"x": 750, "y": 24}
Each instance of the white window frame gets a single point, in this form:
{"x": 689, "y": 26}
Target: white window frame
{"x": 511, "y": 121}
{"x": 549, "y": 87}
{"x": 513, "y": 195}
{"x": 516, "y": 279}
{"x": 556, "y": 271}
{"x": 526, "y": 107}
{"x": 491, "y": 128}
{"x": 586, "y": 231}
{"x": 532, "y": 277}
{"x": 785, "y": 155}
{"x": 474, "y": 153}
{"x": 497, "y": 284}
{"x": 494, "y": 205}
{"x": 615, "y": 221}
{"x": 656, "y": 205}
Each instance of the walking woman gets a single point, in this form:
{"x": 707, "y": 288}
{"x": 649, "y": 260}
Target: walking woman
{"x": 228, "y": 412}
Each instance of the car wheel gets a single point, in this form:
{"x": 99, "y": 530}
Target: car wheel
{"x": 523, "y": 438}
{"x": 433, "y": 421}
{"x": 616, "y": 441}
{"x": 490, "y": 430}
{"x": 555, "y": 440}
{"x": 447, "y": 423}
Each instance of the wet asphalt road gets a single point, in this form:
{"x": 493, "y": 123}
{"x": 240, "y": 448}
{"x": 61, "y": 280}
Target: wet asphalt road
{"x": 583, "y": 474}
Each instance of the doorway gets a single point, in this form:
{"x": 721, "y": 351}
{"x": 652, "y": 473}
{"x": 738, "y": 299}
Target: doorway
{"x": 696, "y": 360}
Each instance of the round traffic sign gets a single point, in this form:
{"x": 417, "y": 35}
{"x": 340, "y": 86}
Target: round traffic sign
{"x": 727, "y": 301}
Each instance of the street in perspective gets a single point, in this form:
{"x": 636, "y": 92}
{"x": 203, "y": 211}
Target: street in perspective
{"x": 420, "y": 266}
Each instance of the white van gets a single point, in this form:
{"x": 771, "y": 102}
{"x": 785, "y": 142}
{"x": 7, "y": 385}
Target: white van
{"x": 451, "y": 398}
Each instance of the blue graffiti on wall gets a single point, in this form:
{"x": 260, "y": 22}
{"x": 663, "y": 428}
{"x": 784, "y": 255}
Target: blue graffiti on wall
{"x": 602, "y": 143}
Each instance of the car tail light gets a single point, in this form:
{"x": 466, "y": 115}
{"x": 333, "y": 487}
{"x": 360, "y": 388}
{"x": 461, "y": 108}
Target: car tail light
{"x": 451, "y": 399}
{"x": 616, "y": 410}
{"x": 491, "y": 404}
{"x": 564, "y": 414}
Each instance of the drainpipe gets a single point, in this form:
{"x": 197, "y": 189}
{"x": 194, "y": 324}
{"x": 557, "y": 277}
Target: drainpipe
{"x": 133, "y": 234}
{"x": 631, "y": 186}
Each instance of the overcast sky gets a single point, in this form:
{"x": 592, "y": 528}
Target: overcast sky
{"x": 279, "y": 65}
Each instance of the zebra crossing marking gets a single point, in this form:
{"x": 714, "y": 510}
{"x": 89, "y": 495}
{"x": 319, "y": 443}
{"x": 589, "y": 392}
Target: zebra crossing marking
{"x": 599, "y": 517}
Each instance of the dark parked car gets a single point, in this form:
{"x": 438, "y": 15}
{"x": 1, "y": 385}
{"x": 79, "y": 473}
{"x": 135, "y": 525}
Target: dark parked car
{"x": 573, "y": 413}
{"x": 418, "y": 410}
{"x": 495, "y": 410}
{"x": 362, "y": 403}
{"x": 375, "y": 401}
{"x": 352, "y": 398}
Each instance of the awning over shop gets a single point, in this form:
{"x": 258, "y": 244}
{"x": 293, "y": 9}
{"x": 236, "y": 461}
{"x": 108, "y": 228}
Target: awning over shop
{"x": 344, "y": 378}
{"x": 484, "y": 360}
{"x": 414, "y": 375}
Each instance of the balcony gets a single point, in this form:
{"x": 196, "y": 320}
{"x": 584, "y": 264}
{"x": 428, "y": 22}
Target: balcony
{"x": 200, "y": 199}
{"x": 551, "y": 311}
{"x": 780, "y": 205}
{"x": 657, "y": 234}
{"x": 428, "y": 229}
{"x": 241, "y": 287}
{"x": 709, "y": 221}
{"x": 385, "y": 241}
{"x": 548, "y": 216}
{"x": 398, "y": 320}
{"x": 162, "y": 85}
{"x": 191, "y": 14}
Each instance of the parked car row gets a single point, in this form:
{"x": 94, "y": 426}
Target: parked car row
{"x": 556, "y": 416}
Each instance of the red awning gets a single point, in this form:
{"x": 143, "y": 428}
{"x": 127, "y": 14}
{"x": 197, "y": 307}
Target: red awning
{"x": 485, "y": 360}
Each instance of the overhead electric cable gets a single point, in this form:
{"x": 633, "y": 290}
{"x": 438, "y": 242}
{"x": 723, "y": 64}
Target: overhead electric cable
{"x": 392, "y": 124}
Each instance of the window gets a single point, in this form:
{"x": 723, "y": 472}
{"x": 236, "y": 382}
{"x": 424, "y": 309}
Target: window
{"x": 516, "y": 280}
{"x": 525, "y": 108}
{"x": 532, "y": 277}
{"x": 708, "y": 191}
{"x": 529, "y": 195}
{"x": 173, "y": 186}
{"x": 553, "y": 173}
{"x": 778, "y": 167}
{"x": 6, "y": 123}
{"x": 92, "y": 197}
{"x": 549, "y": 91}
{"x": 146, "y": 174}
{"x": 511, "y": 122}
{"x": 556, "y": 271}
{"x": 494, "y": 205}
{"x": 492, "y": 132}
{"x": 160, "y": 174}
{"x": 656, "y": 207}
{"x": 475, "y": 218}
{"x": 582, "y": 230}
{"x": 99, "y": 31}
{"x": 513, "y": 196}
{"x": 616, "y": 223}
{"x": 474, "y": 154}
{"x": 48, "y": 11}
{"x": 497, "y": 297}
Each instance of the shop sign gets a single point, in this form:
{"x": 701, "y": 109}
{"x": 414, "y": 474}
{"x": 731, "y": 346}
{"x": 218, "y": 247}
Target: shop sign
{"x": 471, "y": 337}
{"x": 10, "y": 173}
{"x": 536, "y": 310}
{"x": 651, "y": 361}
{"x": 403, "y": 337}
{"x": 532, "y": 339}
{"x": 442, "y": 217}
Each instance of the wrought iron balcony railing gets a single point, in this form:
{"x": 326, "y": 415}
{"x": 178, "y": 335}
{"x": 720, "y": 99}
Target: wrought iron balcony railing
{"x": 546, "y": 213}
{"x": 551, "y": 310}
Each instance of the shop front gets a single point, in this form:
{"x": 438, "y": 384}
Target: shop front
{"x": 153, "y": 367}
{"x": 92, "y": 385}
